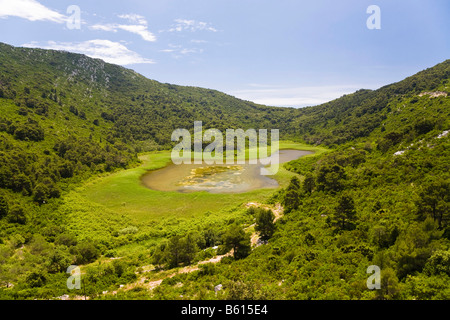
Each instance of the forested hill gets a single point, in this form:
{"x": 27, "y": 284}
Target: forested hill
{"x": 123, "y": 104}
{"x": 359, "y": 114}
{"x": 142, "y": 112}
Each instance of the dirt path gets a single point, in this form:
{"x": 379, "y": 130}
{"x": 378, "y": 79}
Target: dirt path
{"x": 149, "y": 285}
{"x": 277, "y": 211}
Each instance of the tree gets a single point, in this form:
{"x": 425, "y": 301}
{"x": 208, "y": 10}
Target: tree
{"x": 4, "y": 208}
{"x": 264, "y": 223}
{"x": 16, "y": 214}
{"x": 177, "y": 250}
{"x": 330, "y": 177}
{"x": 6, "y": 277}
{"x": 66, "y": 239}
{"x": 119, "y": 267}
{"x": 36, "y": 278}
{"x": 235, "y": 238}
{"x": 22, "y": 183}
{"x": 159, "y": 256}
{"x": 82, "y": 115}
{"x": 74, "y": 110}
{"x": 38, "y": 245}
{"x": 173, "y": 251}
{"x": 309, "y": 184}
{"x": 292, "y": 196}
{"x": 85, "y": 252}
{"x": 41, "y": 193}
{"x": 421, "y": 287}
{"x": 294, "y": 184}
{"x": 390, "y": 286}
{"x": 29, "y": 131}
{"x": 438, "y": 263}
{"x": 189, "y": 247}
{"x": 291, "y": 201}
{"x": 66, "y": 169}
{"x": 434, "y": 201}
{"x": 345, "y": 211}
{"x": 210, "y": 236}
{"x": 58, "y": 260}
{"x": 423, "y": 126}
{"x": 45, "y": 190}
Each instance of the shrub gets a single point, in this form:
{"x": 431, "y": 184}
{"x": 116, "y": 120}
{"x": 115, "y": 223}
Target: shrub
{"x": 128, "y": 230}
{"x": 4, "y": 208}
{"x": 85, "y": 252}
{"x": 16, "y": 215}
{"x": 438, "y": 263}
{"x": 29, "y": 131}
{"x": 36, "y": 279}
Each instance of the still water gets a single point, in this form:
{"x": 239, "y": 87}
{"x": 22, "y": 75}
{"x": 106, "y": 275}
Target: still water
{"x": 217, "y": 178}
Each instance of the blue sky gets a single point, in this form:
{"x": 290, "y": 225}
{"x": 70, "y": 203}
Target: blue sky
{"x": 278, "y": 52}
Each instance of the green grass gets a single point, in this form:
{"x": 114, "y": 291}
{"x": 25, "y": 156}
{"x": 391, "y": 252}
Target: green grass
{"x": 318, "y": 150}
{"x": 107, "y": 204}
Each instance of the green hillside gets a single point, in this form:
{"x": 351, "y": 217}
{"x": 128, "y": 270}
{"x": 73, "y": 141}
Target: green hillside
{"x": 72, "y": 128}
{"x": 126, "y": 105}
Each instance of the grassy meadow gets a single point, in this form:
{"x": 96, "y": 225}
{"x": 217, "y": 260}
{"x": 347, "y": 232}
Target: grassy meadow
{"x": 117, "y": 210}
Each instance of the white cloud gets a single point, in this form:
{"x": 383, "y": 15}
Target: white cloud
{"x": 140, "y": 30}
{"x": 293, "y": 97}
{"x": 109, "y": 51}
{"x": 30, "y": 10}
{"x": 104, "y": 27}
{"x": 190, "y": 50}
{"x": 178, "y": 51}
{"x": 191, "y": 25}
{"x": 198, "y": 41}
{"x": 135, "y": 18}
{"x": 139, "y": 27}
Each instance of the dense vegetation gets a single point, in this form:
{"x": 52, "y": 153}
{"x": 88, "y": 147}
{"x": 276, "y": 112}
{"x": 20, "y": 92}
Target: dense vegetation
{"x": 379, "y": 197}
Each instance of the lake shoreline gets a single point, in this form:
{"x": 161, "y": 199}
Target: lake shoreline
{"x": 234, "y": 178}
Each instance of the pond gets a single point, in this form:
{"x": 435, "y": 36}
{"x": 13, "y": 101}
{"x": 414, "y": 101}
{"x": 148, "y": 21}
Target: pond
{"x": 217, "y": 178}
